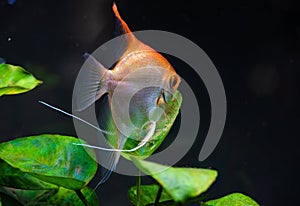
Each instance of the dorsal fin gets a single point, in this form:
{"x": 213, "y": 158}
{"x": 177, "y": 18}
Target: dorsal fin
{"x": 122, "y": 22}
{"x": 132, "y": 43}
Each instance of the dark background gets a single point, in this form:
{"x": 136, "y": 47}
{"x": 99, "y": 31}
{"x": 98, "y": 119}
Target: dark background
{"x": 254, "y": 45}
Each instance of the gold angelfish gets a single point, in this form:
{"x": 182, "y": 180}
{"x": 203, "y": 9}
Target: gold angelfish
{"x": 138, "y": 65}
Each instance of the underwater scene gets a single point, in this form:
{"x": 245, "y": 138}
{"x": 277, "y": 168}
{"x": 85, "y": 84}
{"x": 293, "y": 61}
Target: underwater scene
{"x": 111, "y": 102}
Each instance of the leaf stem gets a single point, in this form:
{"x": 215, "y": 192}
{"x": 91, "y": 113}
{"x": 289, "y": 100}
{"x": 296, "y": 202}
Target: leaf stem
{"x": 138, "y": 187}
{"x": 158, "y": 195}
{"x": 82, "y": 197}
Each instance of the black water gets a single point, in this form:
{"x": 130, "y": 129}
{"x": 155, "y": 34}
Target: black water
{"x": 254, "y": 45}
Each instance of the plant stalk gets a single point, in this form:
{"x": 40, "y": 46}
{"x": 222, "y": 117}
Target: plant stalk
{"x": 158, "y": 195}
{"x": 82, "y": 197}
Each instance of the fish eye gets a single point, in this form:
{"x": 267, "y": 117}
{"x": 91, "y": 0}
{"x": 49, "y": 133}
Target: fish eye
{"x": 173, "y": 81}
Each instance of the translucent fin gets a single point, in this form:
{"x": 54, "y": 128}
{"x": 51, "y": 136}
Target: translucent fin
{"x": 148, "y": 136}
{"x": 142, "y": 143}
{"x": 90, "y": 83}
{"x": 73, "y": 116}
{"x": 112, "y": 150}
{"x": 106, "y": 172}
{"x": 110, "y": 161}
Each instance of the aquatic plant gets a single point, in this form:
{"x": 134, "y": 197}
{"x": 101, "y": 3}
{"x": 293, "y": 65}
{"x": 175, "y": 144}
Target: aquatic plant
{"x": 51, "y": 169}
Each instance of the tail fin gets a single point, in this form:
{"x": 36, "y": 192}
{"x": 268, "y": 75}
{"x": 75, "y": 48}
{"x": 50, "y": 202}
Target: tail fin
{"x": 89, "y": 85}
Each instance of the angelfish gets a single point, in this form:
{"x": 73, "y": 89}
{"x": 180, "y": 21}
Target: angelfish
{"x": 138, "y": 67}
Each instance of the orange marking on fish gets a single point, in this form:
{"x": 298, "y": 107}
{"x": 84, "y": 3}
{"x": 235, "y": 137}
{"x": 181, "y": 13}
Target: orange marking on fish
{"x": 116, "y": 12}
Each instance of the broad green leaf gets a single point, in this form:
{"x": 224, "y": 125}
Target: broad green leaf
{"x": 60, "y": 196}
{"x": 234, "y": 199}
{"x": 16, "y": 80}
{"x": 51, "y": 158}
{"x": 26, "y": 196}
{"x": 181, "y": 183}
{"x": 148, "y": 195}
{"x": 13, "y": 177}
{"x": 163, "y": 126}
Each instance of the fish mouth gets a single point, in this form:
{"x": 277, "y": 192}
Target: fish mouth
{"x": 168, "y": 96}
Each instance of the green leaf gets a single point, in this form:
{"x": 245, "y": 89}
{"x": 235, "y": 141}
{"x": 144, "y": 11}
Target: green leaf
{"x": 60, "y": 196}
{"x": 51, "y": 158}
{"x": 16, "y": 80}
{"x": 13, "y": 177}
{"x": 148, "y": 195}
{"x": 26, "y": 196}
{"x": 180, "y": 183}
{"x": 234, "y": 199}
